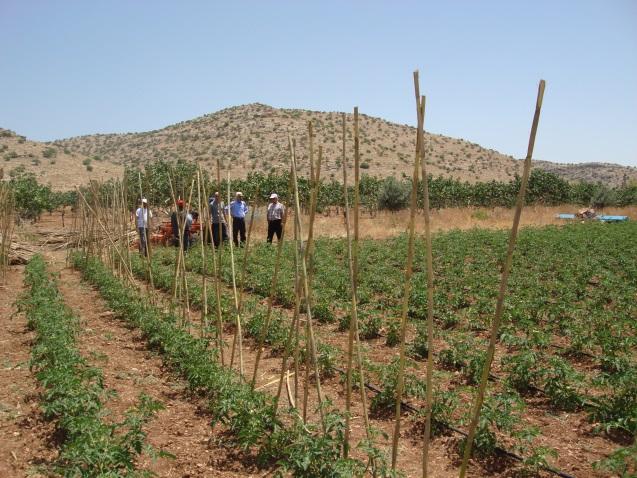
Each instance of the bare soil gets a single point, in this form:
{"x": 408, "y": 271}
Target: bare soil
{"x": 182, "y": 428}
{"x": 26, "y": 439}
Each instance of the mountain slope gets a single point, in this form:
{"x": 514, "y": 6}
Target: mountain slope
{"x": 62, "y": 168}
{"x": 254, "y": 137}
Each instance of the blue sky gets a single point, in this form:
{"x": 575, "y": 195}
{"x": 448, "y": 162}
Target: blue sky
{"x": 80, "y": 67}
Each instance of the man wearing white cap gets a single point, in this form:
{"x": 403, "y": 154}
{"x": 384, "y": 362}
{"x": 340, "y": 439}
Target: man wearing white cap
{"x": 276, "y": 218}
{"x": 238, "y": 209}
{"x": 143, "y": 216}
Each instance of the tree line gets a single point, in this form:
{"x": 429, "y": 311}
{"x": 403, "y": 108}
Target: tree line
{"x": 389, "y": 193}
{"x": 155, "y": 179}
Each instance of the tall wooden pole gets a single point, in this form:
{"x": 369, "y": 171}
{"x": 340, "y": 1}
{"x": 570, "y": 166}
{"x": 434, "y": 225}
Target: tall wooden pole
{"x": 405, "y": 306}
{"x": 306, "y": 287}
{"x": 204, "y": 283}
{"x": 217, "y": 277}
{"x": 495, "y": 325}
{"x": 151, "y": 290}
{"x": 238, "y": 333}
{"x": 420, "y": 112}
{"x": 357, "y": 201}
{"x": 353, "y": 325}
{"x": 266, "y": 324}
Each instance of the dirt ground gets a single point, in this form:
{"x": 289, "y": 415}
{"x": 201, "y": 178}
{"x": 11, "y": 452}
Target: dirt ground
{"x": 28, "y": 443}
{"x": 182, "y": 428}
{"x": 26, "y": 440}
{"x": 383, "y": 225}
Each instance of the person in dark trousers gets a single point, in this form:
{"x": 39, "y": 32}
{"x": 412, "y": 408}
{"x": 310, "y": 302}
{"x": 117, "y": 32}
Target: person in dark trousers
{"x": 276, "y": 218}
{"x": 142, "y": 218}
{"x": 217, "y": 217}
{"x": 178, "y": 217}
{"x": 238, "y": 210}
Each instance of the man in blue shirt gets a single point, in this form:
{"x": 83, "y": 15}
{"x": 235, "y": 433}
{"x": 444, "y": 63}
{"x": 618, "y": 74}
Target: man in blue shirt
{"x": 238, "y": 210}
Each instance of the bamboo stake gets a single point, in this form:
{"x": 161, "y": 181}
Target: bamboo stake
{"x": 204, "y": 282}
{"x": 182, "y": 233}
{"x": 104, "y": 230}
{"x": 238, "y": 335}
{"x": 405, "y": 306}
{"x": 216, "y": 273}
{"x": 420, "y": 112}
{"x": 7, "y": 224}
{"x": 315, "y": 177}
{"x": 353, "y": 326}
{"x": 306, "y": 288}
{"x": 475, "y": 415}
{"x": 309, "y": 251}
{"x": 246, "y": 254}
{"x": 266, "y": 324}
{"x": 357, "y": 159}
{"x": 125, "y": 226}
{"x": 297, "y": 327}
{"x": 151, "y": 290}
{"x": 308, "y": 355}
{"x": 177, "y": 252}
{"x": 221, "y": 217}
{"x": 292, "y": 333}
{"x": 310, "y": 132}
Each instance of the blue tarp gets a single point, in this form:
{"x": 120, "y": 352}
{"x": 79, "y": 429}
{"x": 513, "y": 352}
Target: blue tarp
{"x": 565, "y": 216}
{"x": 612, "y": 218}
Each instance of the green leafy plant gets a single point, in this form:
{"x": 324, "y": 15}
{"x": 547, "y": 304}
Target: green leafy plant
{"x": 73, "y": 391}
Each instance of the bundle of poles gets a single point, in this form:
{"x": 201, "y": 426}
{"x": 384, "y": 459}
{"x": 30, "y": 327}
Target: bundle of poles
{"x": 7, "y": 223}
{"x": 102, "y": 228}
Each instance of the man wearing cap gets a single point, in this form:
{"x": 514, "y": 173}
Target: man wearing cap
{"x": 276, "y": 218}
{"x": 238, "y": 209}
{"x": 217, "y": 217}
{"x": 143, "y": 216}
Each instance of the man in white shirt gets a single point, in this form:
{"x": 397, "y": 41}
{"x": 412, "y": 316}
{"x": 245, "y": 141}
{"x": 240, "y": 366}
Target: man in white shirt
{"x": 276, "y": 218}
{"x": 143, "y": 215}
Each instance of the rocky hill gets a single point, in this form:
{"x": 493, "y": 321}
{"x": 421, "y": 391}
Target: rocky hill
{"x": 61, "y": 167}
{"x": 254, "y": 138}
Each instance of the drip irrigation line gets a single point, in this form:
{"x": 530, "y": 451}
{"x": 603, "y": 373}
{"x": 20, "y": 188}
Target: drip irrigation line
{"x": 502, "y": 451}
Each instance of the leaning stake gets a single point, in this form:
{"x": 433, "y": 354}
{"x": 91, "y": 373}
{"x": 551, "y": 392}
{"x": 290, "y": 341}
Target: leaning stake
{"x": 306, "y": 290}
{"x": 405, "y": 307}
{"x": 420, "y": 105}
{"x": 475, "y": 414}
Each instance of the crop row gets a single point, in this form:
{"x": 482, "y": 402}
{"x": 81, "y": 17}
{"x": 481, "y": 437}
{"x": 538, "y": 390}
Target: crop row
{"x": 251, "y": 416}
{"x": 73, "y": 390}
{"x": 502, "y": 420}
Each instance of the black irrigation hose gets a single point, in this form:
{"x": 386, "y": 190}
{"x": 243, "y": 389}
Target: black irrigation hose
{"x": 502, "y": 451}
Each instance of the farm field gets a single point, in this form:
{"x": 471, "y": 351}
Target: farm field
{"x": 565, "y": 365}
{"x": 562, "y": 389}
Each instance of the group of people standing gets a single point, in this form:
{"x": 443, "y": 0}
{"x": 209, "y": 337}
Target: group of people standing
{"x": 219, "y": 216}
{"x": 238, "y": 209}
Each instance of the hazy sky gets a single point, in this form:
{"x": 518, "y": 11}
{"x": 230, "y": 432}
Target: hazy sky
{"x": 78, "y": 67}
